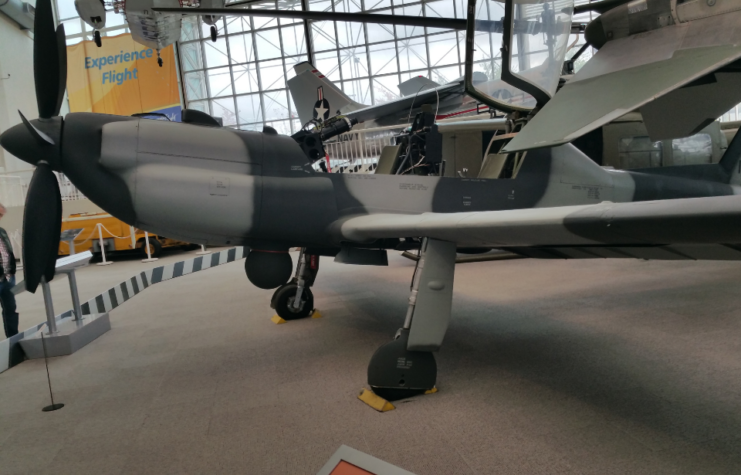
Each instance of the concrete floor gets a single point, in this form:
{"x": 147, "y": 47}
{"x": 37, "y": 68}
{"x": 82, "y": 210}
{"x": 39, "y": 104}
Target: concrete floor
{"x": 91, "y": 280}
{"x": 600, "y": 367}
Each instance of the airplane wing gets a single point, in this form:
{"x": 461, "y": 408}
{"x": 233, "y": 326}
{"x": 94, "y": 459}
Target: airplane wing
{"x": 630, "y": 72}
{"x": 403, "y": 105}
{"x": 693, "y": 228}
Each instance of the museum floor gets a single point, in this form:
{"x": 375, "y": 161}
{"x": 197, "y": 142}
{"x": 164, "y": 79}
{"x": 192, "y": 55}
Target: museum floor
{"x": 549, "y": 367}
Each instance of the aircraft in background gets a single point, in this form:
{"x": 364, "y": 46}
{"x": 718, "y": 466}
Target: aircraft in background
{"x": 448, "y": 100}
{"x": 200, "y": 182}
{"x": 149, "y": 28}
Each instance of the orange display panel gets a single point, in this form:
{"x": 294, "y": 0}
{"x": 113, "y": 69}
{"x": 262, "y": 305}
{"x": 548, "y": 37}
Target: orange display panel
{"x": 344, "y": 468}
{"x": 122, "y": 78}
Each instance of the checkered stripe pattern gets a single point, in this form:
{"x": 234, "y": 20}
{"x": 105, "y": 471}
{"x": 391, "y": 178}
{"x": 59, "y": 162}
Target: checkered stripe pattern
{"x": 11, "y": 353}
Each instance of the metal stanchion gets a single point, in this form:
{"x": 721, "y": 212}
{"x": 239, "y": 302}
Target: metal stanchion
{"x": 203, "y": 251}
{"x": 102, "y": 246}
{"x": 52, "y": 406}
{"x": 149, "y": 253}
{"x": 75, "y": 296}
{"x": 49, "y": 306}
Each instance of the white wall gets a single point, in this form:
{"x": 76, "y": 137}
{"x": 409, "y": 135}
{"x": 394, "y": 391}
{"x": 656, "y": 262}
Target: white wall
{"x": 17, "y": 90}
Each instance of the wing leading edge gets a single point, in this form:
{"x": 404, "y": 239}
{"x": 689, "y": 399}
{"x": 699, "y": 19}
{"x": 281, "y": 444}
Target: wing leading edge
{"x": 691, "y": 227}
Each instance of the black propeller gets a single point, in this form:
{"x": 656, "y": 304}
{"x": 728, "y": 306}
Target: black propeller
{"x": 42, "y": 219}
{"x": 42, "y": 224}
{"x": 49, "y": 61}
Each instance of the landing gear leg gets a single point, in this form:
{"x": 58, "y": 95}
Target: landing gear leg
{"x": 96, "y": 38}
{"x": 159, "y": 59}
{"x": 405, "y": 366}
{"x": 295, "y": 300}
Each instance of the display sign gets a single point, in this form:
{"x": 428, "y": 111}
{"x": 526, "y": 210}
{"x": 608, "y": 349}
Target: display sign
{"x": 122, "y": 78}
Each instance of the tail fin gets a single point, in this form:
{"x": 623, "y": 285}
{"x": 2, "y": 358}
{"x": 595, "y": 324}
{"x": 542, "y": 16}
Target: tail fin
{"x": 417, "y": 84}
{"x": 315, "y": 97}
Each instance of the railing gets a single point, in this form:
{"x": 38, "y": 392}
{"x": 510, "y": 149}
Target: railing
{"x": 68, "y": 190}
{"x": 13, "y": 188}
{"x": 358, "y": 151}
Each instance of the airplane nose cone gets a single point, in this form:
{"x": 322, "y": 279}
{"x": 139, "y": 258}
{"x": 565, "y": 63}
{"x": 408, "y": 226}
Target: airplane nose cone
{"x": 18, "y": 141}
{"x": 35, "y": 140}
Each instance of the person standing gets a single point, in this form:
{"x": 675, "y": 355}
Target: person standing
{"x": 7, "y": 271}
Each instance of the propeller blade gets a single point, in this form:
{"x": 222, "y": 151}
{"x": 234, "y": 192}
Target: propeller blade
{"x": 41, "y": 137}
{"x": 62, "y": 45}
{"x": 46, "y": 61}
{"x": 42, "y": 225}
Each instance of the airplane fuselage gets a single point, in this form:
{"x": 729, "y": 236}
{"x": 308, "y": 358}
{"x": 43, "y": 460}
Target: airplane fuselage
{"x": 221, "y": 186}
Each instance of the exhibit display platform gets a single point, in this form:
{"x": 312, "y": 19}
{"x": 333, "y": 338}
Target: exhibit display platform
{"x": 71, "y": 335}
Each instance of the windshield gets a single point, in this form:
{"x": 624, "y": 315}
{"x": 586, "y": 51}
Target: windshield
{"x": 540, "y": 34}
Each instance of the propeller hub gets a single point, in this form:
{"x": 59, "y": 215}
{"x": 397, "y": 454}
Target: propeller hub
{"x": 26, "y": 143}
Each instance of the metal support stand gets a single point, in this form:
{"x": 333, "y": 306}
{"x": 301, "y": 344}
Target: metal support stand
{"x": 52, "y": 406}
{"x": 203, "y": 251}
{"x": 75, "y": 296}
{"x": 69, "y": 236}
{"x": 102, "y": 246}
{"x": 69, "y": 334}
{"x": 149, "y": 253}
{"x": 49, "y": 306}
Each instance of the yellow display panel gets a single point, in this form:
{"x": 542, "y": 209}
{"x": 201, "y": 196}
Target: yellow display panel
{"x": 122, "y": 78}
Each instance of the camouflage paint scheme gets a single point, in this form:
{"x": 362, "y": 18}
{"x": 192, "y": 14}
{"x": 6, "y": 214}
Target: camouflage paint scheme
{"x": 221, "y": 186}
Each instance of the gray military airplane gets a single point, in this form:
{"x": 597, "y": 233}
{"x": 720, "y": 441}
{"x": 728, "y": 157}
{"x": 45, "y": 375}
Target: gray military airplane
{"x": 200, "y": 182}
{"x": 309, "y": 82}
{"x": 150, "y": 28}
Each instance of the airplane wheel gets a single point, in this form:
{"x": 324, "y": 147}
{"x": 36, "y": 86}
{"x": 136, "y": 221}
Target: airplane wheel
{"x": 155, "y": 248}
{"x": 214, "y": 34}
{"x": 284, "y": 298}
{"x": 159, "y": 61}
{"x": 96, "y": 37}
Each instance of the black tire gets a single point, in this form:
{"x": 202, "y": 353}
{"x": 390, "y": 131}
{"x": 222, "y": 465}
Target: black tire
{"x": 214, "y": 33}
{"x": 96, "y": 38}
{"x": 155, "y": 247}
{"x": 159, "y": 61}
{"x": 284, "y": 297}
